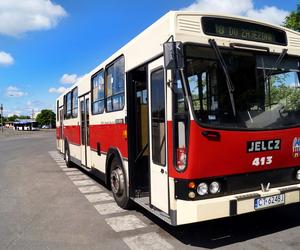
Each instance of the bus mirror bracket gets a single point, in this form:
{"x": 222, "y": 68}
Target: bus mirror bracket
{"x": 173, "y": 55}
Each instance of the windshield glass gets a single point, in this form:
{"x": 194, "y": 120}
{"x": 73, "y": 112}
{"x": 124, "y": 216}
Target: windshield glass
{"x": 264, "y": 97}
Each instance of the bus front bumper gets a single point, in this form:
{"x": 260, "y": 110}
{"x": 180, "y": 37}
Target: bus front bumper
{"x": 209, "y": 209}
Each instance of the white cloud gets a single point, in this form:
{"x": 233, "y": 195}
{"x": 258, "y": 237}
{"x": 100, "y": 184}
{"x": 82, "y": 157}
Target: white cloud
{"x": 6, "y": 59}
{"x": 13, "y": 91}
{"x": 69, "y": 79}
{"x": 18, "y": 17}
{"x": 246, "y": 8}
{"x": 59, "y": 90}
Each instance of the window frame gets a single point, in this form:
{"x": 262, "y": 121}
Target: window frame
{"x": 92, "y": 93}
{"x": 105, "y": 85}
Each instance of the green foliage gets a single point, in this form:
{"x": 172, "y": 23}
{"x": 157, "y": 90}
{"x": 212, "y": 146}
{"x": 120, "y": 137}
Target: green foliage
{"x": 293, "y": 20}
{"x": 12, "y": 118}
{"x": 46, "y": 117}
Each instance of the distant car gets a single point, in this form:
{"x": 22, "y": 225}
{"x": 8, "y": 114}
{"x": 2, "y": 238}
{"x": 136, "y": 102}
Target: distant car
{"x": 46, "y": 126}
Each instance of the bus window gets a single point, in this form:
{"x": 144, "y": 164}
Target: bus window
{"x": 158, "y": 117}
{"x": 115, "y": 80}
{"x": 75, "y": 103}
{"x": 98, "y": 93}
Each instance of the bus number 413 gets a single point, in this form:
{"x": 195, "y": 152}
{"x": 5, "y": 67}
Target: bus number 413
{"x": 261, "y": 161}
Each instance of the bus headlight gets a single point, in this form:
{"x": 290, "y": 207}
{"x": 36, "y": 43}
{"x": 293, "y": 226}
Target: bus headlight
{"x": 202, "y": 189}
{"x": 214, "y": 187}
{"x": 298, "y": 175}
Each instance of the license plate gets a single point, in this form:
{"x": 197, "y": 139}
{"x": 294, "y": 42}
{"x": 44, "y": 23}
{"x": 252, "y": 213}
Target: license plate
{"x": 269, "y": 201}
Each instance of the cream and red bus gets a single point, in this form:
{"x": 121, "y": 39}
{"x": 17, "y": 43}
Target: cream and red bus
{"x": 196, "y": 118}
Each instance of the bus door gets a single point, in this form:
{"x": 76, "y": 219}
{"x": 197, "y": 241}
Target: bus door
{"x": 61, "y": 130}
{"x": 85, "y": 131}
{"x": 157, "y": 136}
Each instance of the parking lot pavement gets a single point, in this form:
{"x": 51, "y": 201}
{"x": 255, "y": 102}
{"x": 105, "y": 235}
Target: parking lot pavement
{"x": 45, "y": 205}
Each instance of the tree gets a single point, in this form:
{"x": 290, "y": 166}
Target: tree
{"x": 46, "y": 117}
{"x": 293, "y": 20}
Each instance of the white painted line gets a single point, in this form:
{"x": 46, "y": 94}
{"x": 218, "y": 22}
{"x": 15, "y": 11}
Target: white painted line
{"x": 79, "y": 177}
{"x": 60, "y": 162}
{"x": 109, "y": 208}
{"x": 98, "y": 197}
{"x": 84, "y": 183}
{"x": 63, "y": 166}
{"x": 125, "y": 223}
{"x": 149, "y": 241}
{"x": 69, "y": 169}
{"x": 73, "y": 173}
{"x": 90, "y": 189}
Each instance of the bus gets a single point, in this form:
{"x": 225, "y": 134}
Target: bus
{"x": 197, "y": 118}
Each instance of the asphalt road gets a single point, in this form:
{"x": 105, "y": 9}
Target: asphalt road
{"x": 43, "y": 205}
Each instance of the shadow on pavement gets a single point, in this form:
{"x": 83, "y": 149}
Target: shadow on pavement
{"x": 227, "y": 231}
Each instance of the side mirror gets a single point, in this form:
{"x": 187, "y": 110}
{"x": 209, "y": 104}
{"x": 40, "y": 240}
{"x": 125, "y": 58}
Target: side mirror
{"x": 173, "y": 55}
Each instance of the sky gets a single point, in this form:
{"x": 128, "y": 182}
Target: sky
{"x": 46, "y": 45}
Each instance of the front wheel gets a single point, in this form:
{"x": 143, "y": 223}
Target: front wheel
{"x": 67, "y": 157}
{"x": 118, "y": 184}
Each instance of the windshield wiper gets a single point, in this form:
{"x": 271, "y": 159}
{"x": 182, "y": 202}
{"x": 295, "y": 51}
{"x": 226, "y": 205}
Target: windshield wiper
{"x": 276, "y": 64}
{"x": 230, "y": 85}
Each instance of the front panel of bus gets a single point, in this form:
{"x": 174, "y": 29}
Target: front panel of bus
{"x": 235, "y": 129}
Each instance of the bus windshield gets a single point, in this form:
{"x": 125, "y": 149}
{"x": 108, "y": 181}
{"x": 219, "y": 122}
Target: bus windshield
{"x": 265, "y": 95}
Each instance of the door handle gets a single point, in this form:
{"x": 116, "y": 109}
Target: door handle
{"x": 211, "y": 135}
{"x": 162, "y": 170}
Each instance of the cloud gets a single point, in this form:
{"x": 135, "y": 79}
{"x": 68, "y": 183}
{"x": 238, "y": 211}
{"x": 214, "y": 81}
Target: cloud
{"x": 69, "y": 79}
{"x": 6, "y": 59}
{"x": 18, "y": 17}
{"x": 246, "y": 8}
{"x": 13, "y": 91}
{"x": 59, "y": 90}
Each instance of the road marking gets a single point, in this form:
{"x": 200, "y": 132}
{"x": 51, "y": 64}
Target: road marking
{"x": 84, "y": 183}
{"x": 60, "y": 162}
{"x": 79, "y": 177}
{"x": 63, "y": 166}
{"x": 125, "y": 223}
{"x": 90, "y": 189}
{"x": 74, "y": 173}
{"x": 69, "y": 169}
{"x": 148, "y": 241}
{"x": 98, "y": 197}
{"x": 108, "y": 208}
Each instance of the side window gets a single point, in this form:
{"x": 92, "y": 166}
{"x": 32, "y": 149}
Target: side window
{"x": 158, "y": 117}
{"x": 75, "y": 103}
{"x": 69, "y": 105}
{"x": 115, "y": 81}
{"x": 98, "y": 93}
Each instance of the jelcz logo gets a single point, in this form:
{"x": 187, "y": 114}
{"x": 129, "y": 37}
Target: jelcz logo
{"x": 263, "y": 145}
{"x": 296, "y": 147}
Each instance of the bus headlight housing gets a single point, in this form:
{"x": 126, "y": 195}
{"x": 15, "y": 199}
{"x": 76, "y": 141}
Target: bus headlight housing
{"x": 202, "y": 189}
{"x": 214, "y": 187}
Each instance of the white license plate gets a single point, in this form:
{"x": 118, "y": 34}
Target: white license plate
{"x": 269, "y": 201}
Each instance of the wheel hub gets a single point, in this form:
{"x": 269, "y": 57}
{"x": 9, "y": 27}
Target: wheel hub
{"x": 117, "y": 181}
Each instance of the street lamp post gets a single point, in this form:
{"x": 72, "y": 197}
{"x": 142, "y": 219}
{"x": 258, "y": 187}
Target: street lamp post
{"x": 1, "y": 109}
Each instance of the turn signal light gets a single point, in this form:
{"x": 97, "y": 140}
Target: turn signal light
{"x": 181, "y": 158}
{"x": 192, "y": 185}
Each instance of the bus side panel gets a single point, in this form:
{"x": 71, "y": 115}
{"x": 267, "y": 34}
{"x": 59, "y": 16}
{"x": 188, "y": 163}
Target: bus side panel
{"x": 72, "y": 134}
{"x": 108, "y": 136}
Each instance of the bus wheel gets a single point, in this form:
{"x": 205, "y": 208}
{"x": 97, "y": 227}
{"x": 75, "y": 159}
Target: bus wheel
{"x": 118, "y": 184}
{"x": 67, "y": 157}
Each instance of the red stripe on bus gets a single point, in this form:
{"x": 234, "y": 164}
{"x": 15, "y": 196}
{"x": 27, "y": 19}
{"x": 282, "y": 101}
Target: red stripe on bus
{"x": 72, "y": 134}
{"x": 109, "y": 135}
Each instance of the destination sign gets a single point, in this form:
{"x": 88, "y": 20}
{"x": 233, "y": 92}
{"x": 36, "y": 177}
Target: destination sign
{"x": 243, "y": 30}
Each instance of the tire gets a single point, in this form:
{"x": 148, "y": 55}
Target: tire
{"x": 118, "y": 184}
{"x": 67, "y": 156}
